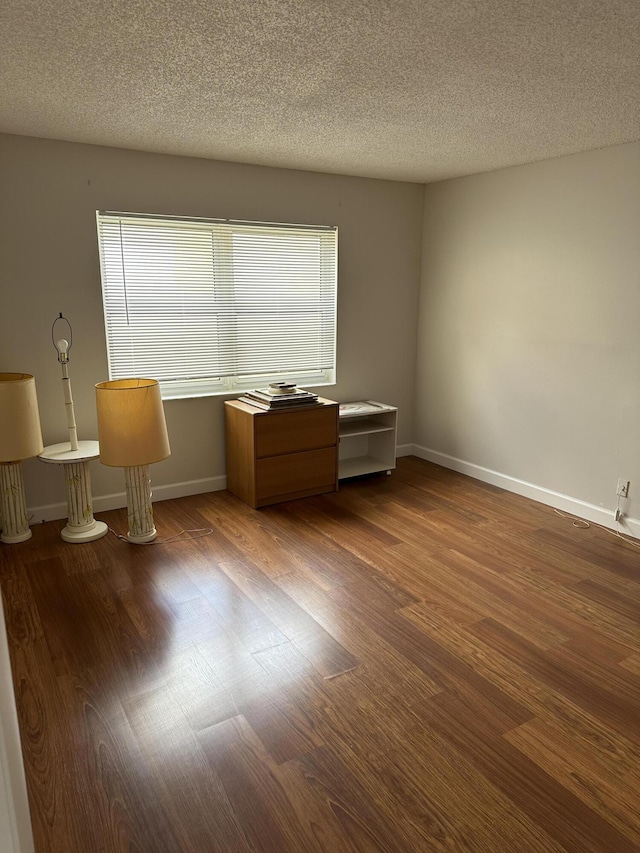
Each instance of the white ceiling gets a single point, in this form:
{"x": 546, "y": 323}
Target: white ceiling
{"x": 416, "y": 90}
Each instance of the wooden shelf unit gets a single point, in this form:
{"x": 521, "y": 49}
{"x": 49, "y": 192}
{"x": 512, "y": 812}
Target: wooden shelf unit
{"x": 282, "y": 455}
{"x": 367, "y": 438}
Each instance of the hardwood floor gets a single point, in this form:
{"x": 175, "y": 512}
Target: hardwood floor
{"x": 416, "y": 663}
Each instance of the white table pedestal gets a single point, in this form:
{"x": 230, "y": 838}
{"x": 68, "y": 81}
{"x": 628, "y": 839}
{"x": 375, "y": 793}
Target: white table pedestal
{"x": 82, "y": 526}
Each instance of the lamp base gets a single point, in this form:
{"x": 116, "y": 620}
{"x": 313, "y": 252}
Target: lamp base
{"x": 15, "y": 524}
{"x": 140, "y": 539}
{"x": 94, "y": 531}
{"x": 139, "y": 511}
{"x": 19, "y": 537}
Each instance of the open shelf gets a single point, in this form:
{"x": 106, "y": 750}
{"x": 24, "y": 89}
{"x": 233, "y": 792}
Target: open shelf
{"x": 367, "y": 438}
{"x": 363, "y": 426}
{"x": 356, "y": 466}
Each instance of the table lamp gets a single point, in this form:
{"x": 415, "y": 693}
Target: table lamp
{"x": 133, "y": 434}
{"x": 20, "y": 438}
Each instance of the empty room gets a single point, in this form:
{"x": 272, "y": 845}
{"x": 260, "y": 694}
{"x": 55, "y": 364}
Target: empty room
{"x": 319, "y": 418}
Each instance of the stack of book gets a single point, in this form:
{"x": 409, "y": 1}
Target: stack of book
{"x": 279, "y": 395}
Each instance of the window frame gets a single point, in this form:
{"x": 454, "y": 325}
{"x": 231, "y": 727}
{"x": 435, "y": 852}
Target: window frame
{"x": 193, "y": 386}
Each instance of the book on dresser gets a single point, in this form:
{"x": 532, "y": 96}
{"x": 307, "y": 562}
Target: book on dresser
{"x": 281, "y": 397}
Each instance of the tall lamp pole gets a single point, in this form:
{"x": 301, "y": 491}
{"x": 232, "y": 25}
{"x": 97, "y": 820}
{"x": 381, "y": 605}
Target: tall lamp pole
{"x": 75, "y": 456}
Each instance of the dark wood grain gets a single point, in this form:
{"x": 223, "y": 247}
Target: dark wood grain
{"x": 187, "y": 786}
{"x": 258, "y": 798}
{"x": 334, "y": 807}
{"x": 536, "y": 792}
{"x": 420, "y": 662}
{"x": 552, "y": 707}
{"x": 614, "y": 701}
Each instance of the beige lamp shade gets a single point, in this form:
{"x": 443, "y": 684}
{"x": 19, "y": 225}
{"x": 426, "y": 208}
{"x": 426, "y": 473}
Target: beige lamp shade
{"x": 20, "y": 435}
{"x": 131, "y": 425}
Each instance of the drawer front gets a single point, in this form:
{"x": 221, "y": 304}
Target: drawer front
{"x": 292, "y": 431}
{"x": 296, "y": 472}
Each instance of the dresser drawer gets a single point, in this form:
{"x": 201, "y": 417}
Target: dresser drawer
{"x": 296, "y": 472}
{"x": 291, "y": 431}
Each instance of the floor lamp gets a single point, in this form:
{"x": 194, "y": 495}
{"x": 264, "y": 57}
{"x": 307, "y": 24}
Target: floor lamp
{"x": 20, "y": 438}
{"x": 74, "y": 456}
{"x": 133, "y": 435}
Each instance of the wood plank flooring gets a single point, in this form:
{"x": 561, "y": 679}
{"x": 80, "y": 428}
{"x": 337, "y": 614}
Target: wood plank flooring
{"x": 419, "y": 662}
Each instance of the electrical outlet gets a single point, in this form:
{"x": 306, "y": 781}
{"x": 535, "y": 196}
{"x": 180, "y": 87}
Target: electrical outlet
{"x": 623, "y": 488}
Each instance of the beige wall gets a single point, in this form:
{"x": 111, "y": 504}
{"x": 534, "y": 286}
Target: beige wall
{"x": 529, "y": 352}
{"x": 49, "y": 263}
{"x": 528, "y": 361}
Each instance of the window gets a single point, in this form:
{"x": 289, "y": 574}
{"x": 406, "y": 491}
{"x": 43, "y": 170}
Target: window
{"x": 212, "y": 307}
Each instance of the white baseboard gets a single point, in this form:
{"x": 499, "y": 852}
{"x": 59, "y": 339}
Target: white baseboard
{"x": 405, "y": 450}
{"x": 565, "y": 503}
{"x": 103, "y": 503}
{"x": 189, "y": 487}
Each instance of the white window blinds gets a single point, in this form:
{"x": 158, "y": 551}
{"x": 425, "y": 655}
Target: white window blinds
{"x": 209, "y": 306}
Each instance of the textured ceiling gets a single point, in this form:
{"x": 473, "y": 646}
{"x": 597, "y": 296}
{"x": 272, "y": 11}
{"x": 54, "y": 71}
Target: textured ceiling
{"x": 415, "y": 90}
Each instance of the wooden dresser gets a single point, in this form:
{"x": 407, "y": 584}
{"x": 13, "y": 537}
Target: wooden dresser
{"x": 279, "y": 456}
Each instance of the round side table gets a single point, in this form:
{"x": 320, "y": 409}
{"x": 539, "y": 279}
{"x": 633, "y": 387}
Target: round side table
{"x": 82, "y": 526}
